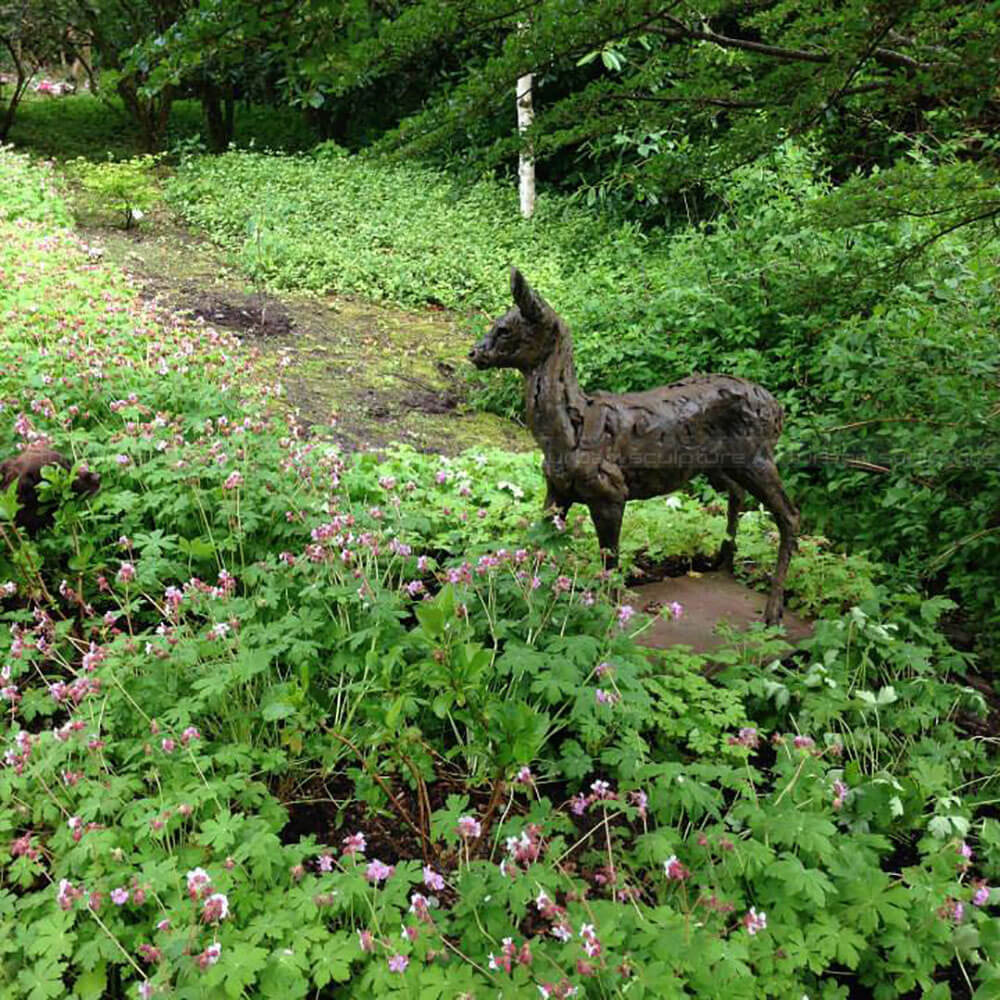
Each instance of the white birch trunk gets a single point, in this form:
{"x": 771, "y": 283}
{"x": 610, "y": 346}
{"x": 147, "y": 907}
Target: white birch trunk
{"x": 526, "y": 162}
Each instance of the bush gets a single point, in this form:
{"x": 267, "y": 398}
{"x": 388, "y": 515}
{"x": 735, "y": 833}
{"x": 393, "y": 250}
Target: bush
{"x": 27, "y": 194}
{"x": 97, "y": 128}
{"x": 126, "y": 188}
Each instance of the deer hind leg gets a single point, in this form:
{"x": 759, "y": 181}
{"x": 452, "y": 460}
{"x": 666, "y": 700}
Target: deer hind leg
{"x": 607, "y": 518}
{"x": 727, "y": 551}
{"x": 762, "y": 480}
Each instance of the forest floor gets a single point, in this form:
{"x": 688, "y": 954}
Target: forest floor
{"x": 368, "y": 374}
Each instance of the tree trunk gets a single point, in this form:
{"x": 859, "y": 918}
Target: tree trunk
{"x": 230, "y": 113}
{"x": 24, "y": 75}
{"x": 526, "y": 162}
{"x": 151, "y": 114}
{"x": 220, "y": 111}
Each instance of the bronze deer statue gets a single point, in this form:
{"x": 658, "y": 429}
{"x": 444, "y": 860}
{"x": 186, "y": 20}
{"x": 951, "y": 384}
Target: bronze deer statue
{"x": 602, "y": 449}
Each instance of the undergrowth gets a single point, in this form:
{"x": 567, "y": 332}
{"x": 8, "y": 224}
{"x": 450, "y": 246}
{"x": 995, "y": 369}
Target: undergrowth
{"x": 278, "y": 722}
{"x": 880, "y": 341}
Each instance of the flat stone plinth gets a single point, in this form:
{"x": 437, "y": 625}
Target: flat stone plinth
{"x": 709, "y": 599}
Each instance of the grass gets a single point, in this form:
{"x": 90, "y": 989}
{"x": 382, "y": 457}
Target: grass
{"x": 98, "y": 128}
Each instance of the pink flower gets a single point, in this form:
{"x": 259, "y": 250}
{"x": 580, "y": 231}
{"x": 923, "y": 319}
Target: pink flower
{"x": 145, "y": 990}
{"x": 982, "y": 894}
{"x": 591, "y": 942}
{"x": 234, "y": 480}
{"x": 524, "y": 776}
{"x": 355, "y": 843}
{"x": 126, "y": 573}
{"x": 67, "y": 894}
{"x": 754, "y": 921}
{"x": 378, "y": 872}
{"x": 198, "y": 883}
{"x": 366, "y": 941}
{"x": 803, "y": 742}
{"x": 625, "y": 612}
{"x": 432, "y": 879}
{"x": 469, "y": 827}
{"x": 839, "y": 794}
{"x": 398, "y": 963}
{"x": 674, "y": 870}
{"x": 325, "y": 862}
{"x": 747, "y": 737}
{"x": 119, "y": 896}
{"x": 216, "y": 908}
{"x": 601, "y": 790}
{"x": 606, "y": 697}
{"x": 640, "y": 800}
{"x": 209, "y": 956}
{"x": 169, "y": 746}
{"x": 163, "y": 925}
{"x": 676, "y": 609}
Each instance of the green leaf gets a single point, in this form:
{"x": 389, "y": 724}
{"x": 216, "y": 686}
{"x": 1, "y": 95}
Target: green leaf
{"x": 91, "y": 985}
{"x": 43, "y": 979}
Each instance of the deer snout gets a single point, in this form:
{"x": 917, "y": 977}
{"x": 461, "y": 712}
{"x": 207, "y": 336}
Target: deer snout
{"x": 479, "y": 356}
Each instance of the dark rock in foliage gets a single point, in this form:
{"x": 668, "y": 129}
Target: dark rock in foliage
{"x": 26, "y": 468}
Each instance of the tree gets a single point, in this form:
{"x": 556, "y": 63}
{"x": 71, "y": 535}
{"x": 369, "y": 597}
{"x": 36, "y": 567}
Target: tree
{"x": 654, "y": 97}
{"x": 526, "y": 162}
{"x": 275, "y": 49}
{"x": 30, "y": 34}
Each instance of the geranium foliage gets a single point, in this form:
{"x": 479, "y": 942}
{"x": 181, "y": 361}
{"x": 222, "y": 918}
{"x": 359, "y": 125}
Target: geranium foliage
{"x": 278, "y": 721}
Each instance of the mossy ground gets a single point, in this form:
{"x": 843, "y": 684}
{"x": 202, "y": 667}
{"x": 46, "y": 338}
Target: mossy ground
{"x": 366, "y": 373}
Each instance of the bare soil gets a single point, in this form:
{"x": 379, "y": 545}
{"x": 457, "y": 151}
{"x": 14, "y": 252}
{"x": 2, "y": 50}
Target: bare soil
{"x": 709, "y": 599}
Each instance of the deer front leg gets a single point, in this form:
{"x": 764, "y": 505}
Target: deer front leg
{"x": 557, "y": 500}
{"x": 607, "y": 518}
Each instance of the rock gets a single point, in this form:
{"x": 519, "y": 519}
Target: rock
{"x": 26, "y": 469}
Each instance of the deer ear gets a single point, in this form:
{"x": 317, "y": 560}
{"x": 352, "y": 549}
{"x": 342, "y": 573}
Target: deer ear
{"x": 525, "y": 298}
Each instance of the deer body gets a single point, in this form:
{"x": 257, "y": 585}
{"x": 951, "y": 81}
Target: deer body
{"x": 602, "y": 449}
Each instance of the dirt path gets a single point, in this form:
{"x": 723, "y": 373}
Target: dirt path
{"x": 371, "y": 374}
{"x": 709, "y": 600}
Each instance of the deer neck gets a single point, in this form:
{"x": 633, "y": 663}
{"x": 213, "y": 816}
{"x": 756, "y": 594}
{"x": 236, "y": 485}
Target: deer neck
{"x": 552, "y": 397}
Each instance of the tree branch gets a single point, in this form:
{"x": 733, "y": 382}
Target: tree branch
{"x": 734, "y": 102}
{"x": 888, "y": 57}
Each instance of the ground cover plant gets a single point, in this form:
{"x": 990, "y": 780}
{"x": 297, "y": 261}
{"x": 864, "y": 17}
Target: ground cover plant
{"x": 277, "y": 720}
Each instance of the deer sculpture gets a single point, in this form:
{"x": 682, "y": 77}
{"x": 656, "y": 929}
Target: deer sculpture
{"x": 602, "y": 449}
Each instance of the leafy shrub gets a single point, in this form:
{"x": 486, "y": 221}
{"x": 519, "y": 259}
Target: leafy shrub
{"x": 28, "y": 194}
{"x": 126, "y": 188}
{"x": 99, "y": 127}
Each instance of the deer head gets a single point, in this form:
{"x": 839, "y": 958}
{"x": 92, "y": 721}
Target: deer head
{"x": 523, "y": 337}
